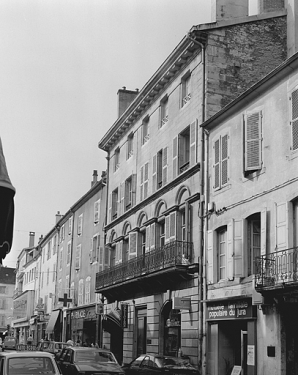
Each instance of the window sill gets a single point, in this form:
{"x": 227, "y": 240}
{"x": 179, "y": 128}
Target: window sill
{"x": 251, "y": 176}
{"x": 222, "y": 190}
{"x": 292, "y": 155}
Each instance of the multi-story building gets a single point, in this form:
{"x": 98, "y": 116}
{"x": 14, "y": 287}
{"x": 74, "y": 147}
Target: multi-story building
{"x": 153, "y": 287}
{"x": 252, "y": 229}
{"x": 7, "y": 288}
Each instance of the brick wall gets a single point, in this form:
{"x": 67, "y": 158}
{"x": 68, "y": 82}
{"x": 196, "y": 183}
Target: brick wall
{"x": 240, "y": 55}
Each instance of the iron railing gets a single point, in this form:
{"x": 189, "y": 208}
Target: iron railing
{"x": 280, "y": 267}
{"x": 170, "y": 255}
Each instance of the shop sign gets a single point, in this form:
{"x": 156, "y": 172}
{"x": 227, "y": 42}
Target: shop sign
{"x": 236, "y": 309}
{"x": 32, "y": 321}
{"x": 88, "y": 314}
{"x": 124, "y": 315}
{"x": 181, "y": 303}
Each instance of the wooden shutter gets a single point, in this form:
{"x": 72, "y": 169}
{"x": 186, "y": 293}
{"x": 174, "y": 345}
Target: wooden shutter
{"x": 193, "y": 143}
{"x": 152, "y": 235}
{"x": 146, "y": 176}
{"x": 133, "y": 189}
{"x": 281, "y": 215}
{"x": 210, "y": 255}
{"x": 230, "y": 251}
{"x": 239, "y": 248}
{"x": 120, "y": 210}
{"x": 216, "y": 166}
{"x": 167, "y": 229}
{"x": 263, "y": 231}
{"x": 253, "y": 141}
{"x": 154, "y": 174}
{"x": 107, "y": 256}
{"x": 175, "y": 157}
{"x": 120, "y": 250}
{"x": 224, "y": 160}
{"x": 165, "y": 166}
{"x": 147, "y": 246}
{"x": 294, "y": 120}
{"x": 110, "y": 207}
{"x": 172, "y": 226}
{"x": 142, "y": 184}
{"x": 133, "y": 237}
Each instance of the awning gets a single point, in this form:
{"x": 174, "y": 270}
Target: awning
{"x": 111, "y": 320}
{"x": 52, "y": 321}
{"x": 7, "y": 192}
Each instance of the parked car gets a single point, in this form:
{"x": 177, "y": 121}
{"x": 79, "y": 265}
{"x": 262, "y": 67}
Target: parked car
{"x": 54, "y": 347}
{"x": 28, "y": 363}
{"x": 9, "y": 343}
{"x": 159, "y": 364}
{"x": 80, "y": 360}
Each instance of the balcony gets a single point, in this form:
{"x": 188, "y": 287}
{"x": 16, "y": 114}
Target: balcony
{"x": 278, "y": 271}
{"x": 155, "y": 271}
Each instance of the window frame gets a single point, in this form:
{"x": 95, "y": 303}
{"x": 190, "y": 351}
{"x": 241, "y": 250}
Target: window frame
{"x": 114, "y": 203}
{"x": 220, "y": 164}
{"x": 129, "y": 149}
{"x": 164, "y": 111}
{"x": 145, "y": 130}
{"x": 185, "y": 89}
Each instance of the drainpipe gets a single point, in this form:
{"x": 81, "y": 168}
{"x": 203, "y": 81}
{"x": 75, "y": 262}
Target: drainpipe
{"x": 201, "y": 282}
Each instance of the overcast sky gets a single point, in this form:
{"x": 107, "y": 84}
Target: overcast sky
{"x": 61, "y": 65}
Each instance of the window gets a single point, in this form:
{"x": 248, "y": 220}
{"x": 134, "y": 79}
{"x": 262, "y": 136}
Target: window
{"x": 62, "y": 233}
{"x": 68, "y": 252}
{"x": 70, "y": 223}
{"x": 128, "y": 193}
{"x": 222, "y": 253}
{"x": 220, "y": 162}
{"x": 160, "y": 169}
{"x": 87, "y": 290}
{"x": 253, "y": 241}
{"x": 294, "y": 119}
{"x": 80, "y": 225}
{"x": 252, "y": 142}
{"x": 164, "y": 116}
{"x": 145, "y": 130}
{"x": 114, "y": 202}
{"x": 94, "y": 253}
{"x": 116, "y": 159}
{"x": 96, "y": 211}
{"x": 81, "y": 292}
{"x": 2, "y": 289}
{"x": 61, "y": 258}
{"x": 129, "y": 152}
{"x": 49, "y": 250}
{"x": 54, "y": 242}
{"x": 185, "y": 89}
{"x": 144, "y": 180}
{"x": 78, "y": 257}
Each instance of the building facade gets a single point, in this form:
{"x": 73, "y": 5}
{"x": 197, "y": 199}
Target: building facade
{"x": 7, "y": 288}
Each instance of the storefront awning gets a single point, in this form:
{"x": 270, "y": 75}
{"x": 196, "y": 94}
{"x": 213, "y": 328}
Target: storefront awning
{"x": 112, "y": 317}
{"x": 52, "y": 321}
{"x": 7, "y": 192}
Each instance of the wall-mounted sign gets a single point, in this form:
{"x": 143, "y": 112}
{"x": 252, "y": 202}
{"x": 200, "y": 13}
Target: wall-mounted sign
{"x": 181, "y": 303}
{"x": 233, "y": 309}
{"x": 124, "y": 315}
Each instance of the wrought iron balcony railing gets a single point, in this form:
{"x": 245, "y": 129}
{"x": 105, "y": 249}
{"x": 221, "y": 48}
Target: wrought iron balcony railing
{"x": 280, "y": 267}
{"x": 173, "y": 254}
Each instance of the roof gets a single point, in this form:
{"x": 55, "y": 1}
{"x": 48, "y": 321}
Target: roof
{"x": 26, "y": 354}
{"x": 7, "y": 275}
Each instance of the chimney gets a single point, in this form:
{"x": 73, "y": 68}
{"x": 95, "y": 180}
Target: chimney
{"x": 58, "y": 216}
{"x": 227, "y": 9}
{"x": 125, "y": 98}
{"x": 94, "y": 178}
{"x": 31, "y": 239}
{"x": 266, "y": 6}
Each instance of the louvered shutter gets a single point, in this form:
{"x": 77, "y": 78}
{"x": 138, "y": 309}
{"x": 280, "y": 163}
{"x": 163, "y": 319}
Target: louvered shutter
{"x": 142, "y": 184}
{"x": 134, "y": 189}
{"x": 210, "y": 255}
{"x": 121, "y": 199}
{"x": 224, "y": 160}
{"x": 167, "y": 229}
{"x": 107, "y": 256}
{"x": 175, "y": 157}
{"x": 294, "y": 122}
{"x": 239, "y": 248}
{"x": 165, "y": 166}
{"x": 230, "y": 252}
{"x": 133, "y": 245}
{"x": 281, "y": 215}
{"x": 172, "y": 226}
{"x": 193, "y": 143}
{"x": 152, "y": 235}
{"x": 216, "y": 166}
{"x": 110, "y": 207}
{"x": 120, "y": 250}
{"x": 147, "y": 246}
{"x": 146, "y": 176}
{"x": 253, "y": 141}
{"x": 100, "y": 258}
{"x": 263, "y": 231}
{"x": 154, "y": 174}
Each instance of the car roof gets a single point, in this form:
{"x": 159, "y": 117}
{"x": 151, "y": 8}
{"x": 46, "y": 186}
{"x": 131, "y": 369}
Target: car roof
{"x": 25, "y": 354}
{"x": 80, "y": 348}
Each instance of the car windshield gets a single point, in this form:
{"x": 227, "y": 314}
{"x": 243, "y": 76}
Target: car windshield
{"x": 30, "y": 366}
{"x": 172, "y": 362}
{"x": 94, "y": 356}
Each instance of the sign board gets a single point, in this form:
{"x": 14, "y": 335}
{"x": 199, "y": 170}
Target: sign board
{"x": 124, "y": 315}
{"x": 236, "y": 370}
{"x": 181, "y": 303}
{"x": 99, "y": 308}
{"x": 233, "y": 309}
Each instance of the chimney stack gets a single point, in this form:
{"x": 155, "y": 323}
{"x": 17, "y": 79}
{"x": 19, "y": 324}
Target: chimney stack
{"x": 31, "y": 239}
{"x": 227, "y": 9}
{"x": 94, "y": 177}
{"x": 125, "y": 98}
{"x": 58, "y": 216}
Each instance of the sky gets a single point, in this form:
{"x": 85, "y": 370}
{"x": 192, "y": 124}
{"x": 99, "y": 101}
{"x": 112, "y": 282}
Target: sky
{"x": 61, "y": 65}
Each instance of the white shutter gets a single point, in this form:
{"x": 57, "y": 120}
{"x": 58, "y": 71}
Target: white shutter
{"x": 172, "y": 226}
{"x": 134, "y": 189}
{"x": 147, "y": 245}
{"x": 133, "y": 244}
{"x": 253, "y": 141}
{"x": 230, "y": 251}
{"x": 281, "y": 215}
{"x": 239, "y": 248}
{"x": 263, "y": 231}
{"x": 224, "y": 160}
{"x": 216, "y": 165}
{"x": 167, "y": 229}
{"x": 210, "y": 255}
{"x": 165, "y": 166}
{"x": 175, "y": 157}
{"x": 154, "y": 174}
{"x": 193, "y": 143}
{"x": 142, "y": 183}
{"x": 294, "y": 120}
{"x": 152, "y": 235}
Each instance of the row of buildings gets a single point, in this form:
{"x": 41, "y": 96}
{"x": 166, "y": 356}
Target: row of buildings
{"x": 188, "y": 242}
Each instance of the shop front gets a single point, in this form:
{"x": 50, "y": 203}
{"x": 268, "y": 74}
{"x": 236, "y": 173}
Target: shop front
{"x": 82, "y": 325}
{"x": 231, "y": 336}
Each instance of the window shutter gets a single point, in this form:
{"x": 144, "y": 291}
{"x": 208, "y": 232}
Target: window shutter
{"x": 100, "y": 258}
{"x": 167, "y": 229}
{"x": 110, "y": 207}
{"x": 121, "y": 199}
{"x": 239, "y": 248}
{"x": 172, "y": 226}
{"x": 133, "y": 244}
{"x": 263, "y": 231}
{"x": 165, "y": 166}
{"x": 224, "y": 160}
{"x": 146, "y": 176}
{"x": 210, "y": 255}
{"x": 147, "y": 246}
{"x": 253, "y": 141}
{"x": 294, "y": 122}
{"x": 154, "y": 174}
{"x": 120, "y": 251}
{"x": 181, "y": 151}
{"x": 175, "y": 157}
{"x": 142, "y": 184}
{"x": 281, "y": 215}
{"x": 230, "y": 252}
{"x": 216, "y": 164}
{"x": 193, "y": 143}
{"x": 152, "y": 235}
{"x": 134, "y": 189}
{"x": 107, "y": 256}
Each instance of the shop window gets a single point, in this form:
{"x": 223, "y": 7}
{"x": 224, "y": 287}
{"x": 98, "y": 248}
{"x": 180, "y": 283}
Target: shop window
{"x": 172, "y": 342}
